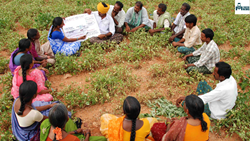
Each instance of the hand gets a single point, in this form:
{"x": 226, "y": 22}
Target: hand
{"x": 87, "y": 132}
{"x": 101, "y": 36}
{"x": 46, "y": 71}
{"x": 171, "y": 39}
{"x": 83, "y": 37}
{"x": 79, "y": 131}
{"x": 127, "y": 28}
{"x": 179, "y": 100}
{"x": 87, "y": 10}
{"x": 185, "y": 66}
{"x": 51, "y": 105}
{"x": 185, "y": 58}
{"x": 151, "y": 31}
{"x": 133, "y": 30}
{"x": 113, "y": 14}
{"x": 174, "y": 44}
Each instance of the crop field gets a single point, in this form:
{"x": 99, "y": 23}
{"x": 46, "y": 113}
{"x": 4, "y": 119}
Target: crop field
{"x": 144, "y": 66}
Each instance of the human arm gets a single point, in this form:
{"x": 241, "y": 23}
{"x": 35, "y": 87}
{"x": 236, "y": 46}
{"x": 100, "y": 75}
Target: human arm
{"x": 42, "y": 108}
{"x": 177, "y": 34}
{"x": 87, "y": 10}
{"x": 214, "y": 95}
{"x": 179, "y": 100}
{"x": 65, "y": 39}
{"x": 113, "y": 17}
{"x": 127, "y": 18}
{"x": 101, "y": 36}
{"x": 81, "y": 131}
{"x": 189, "y": 55}
{"x": 185, "y": 66}
{"x": 179, "y": 43}
{"x": 122, "y": 18}
{"x": 136, "y": 28}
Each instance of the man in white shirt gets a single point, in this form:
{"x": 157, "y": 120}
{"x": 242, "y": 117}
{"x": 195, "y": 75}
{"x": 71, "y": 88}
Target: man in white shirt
{"x": 179, "y": 26}
{"x": 137, "y": 17}
{"x": 192, "y": 36}
{"x": 162, "y": 19}
{"x": 223, "y": 97}
{"x": 209, "y": 55}
{"x": 106, "y": 25}
{"x": 118, "y": 15}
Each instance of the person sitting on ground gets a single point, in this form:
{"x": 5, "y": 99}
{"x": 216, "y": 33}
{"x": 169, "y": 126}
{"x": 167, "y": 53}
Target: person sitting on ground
{"x": 24, "y": 48}
{"x": 179, "y": 26}
{"x": 59, "y": 42}
{"x": 194, "y": 127}
{"x": 162, "y": 19}
{"x": 60, "y": 127}
{"x": 118, "y": 15}
{"x": 209, "y": 55}
{"x": 137, "y": 17}
{"x": 128, "y": 127}
{"x": 39, "y": 52}
{"x": 192, "y": 36}
{"x": 27, "y": 72}
{"x": 25, "y": 117}
{"x": 106, "y": 25}
{"x": 223, "y": 97}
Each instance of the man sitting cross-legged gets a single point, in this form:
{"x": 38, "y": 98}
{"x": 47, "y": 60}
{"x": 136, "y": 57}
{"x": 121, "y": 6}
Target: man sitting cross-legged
{"x": 162, "y": 19}
{"x": 106, "y": 25}
{"x": 136, "y": 17}
{"x": 192, "y": 36}
{"x": 223, "y": 97}
{"x": 179, "y": 26}
{"x": 118, "y": 15}
{"x": 209, "y": 55}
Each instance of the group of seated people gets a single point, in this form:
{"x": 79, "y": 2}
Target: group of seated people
{"x": 36, "y": 117}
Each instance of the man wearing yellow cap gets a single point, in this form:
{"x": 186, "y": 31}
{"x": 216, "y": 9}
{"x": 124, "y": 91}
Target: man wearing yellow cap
{"x": 106, "y": 25}
{"x": 137, "y": 17}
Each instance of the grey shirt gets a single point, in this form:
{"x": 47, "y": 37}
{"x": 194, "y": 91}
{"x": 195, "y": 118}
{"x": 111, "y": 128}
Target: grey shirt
{"x": 144, "y": 14}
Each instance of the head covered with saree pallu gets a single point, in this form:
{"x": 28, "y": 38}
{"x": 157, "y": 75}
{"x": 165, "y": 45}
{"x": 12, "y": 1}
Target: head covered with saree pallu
{"x": 26, "y": 92}
{"x": 102, "y": 7}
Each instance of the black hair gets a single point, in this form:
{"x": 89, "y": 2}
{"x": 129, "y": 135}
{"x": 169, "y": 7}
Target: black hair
{"x": 104, "y": 4}
{"x": 191, "y": 19}
{"x": 25, "y": 62}
{"x": 120, "y": 4}
{"x": 32, "y": 33}
{"x": 163, "y": 7}
{"x": 224, "y": 69}
{"x": 139, "y": 3}
{"x": 56, "y": 22}
{"x": 23, "y": 45}
{"x": 58, "y": 116}
{"x": 26, "y": 92}
{"x": 187, "y": 6}
{"x": 208, "y": 33}
{"x": 195, "y": 108}
{"x": 132, "y": 108}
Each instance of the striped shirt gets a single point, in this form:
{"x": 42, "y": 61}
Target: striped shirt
{"x": 210, "y": 55}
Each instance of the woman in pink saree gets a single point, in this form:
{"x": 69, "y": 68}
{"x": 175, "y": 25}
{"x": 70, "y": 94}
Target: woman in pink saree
{"x": 26, "y": 72}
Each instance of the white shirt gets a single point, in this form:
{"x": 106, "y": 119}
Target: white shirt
{"x": 30, "y": 118}
{"x": 106, "y": 24}
{"x": 210, "y": 55}
{"x": 120, "y": 17}
{"x": 180, "y": 22}
{"x": 144, "y": 14}
{"x": 222, "y": 98}
{"x": 156, "y": 19}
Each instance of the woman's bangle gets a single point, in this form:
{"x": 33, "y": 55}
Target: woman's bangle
{"x": 75, "y": 132}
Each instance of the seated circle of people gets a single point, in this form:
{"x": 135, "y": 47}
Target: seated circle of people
{"x": 24, "y": 48}
{"x": 204, "y": 59}
{"x": 128, "y": 127}
{"x": 106, "y": 25}
{"x": 191, "y": 37}
{"x": 27, "y": 72}
{"x": 223, "y": 97}
{"x": 161, "y": 19}
{"x": 40, "y": 52}
{"x": 137, "y": 17}
{"x": 194, "y": 127}
{"x": 59, "y": 42}
{"x": 179, "y": 25}
{"x": 118, "y": 15}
